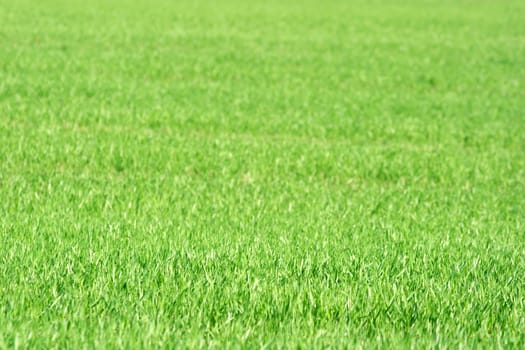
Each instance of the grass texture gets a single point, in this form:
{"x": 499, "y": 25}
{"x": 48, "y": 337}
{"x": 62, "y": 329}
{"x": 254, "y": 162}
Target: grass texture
{"x": 249, "y": 174}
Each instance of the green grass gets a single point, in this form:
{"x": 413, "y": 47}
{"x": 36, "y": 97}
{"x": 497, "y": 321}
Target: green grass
{"x": 276, "y": 173}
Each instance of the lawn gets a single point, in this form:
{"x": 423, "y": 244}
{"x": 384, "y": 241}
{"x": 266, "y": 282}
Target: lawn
{"x": 248, "y": 174}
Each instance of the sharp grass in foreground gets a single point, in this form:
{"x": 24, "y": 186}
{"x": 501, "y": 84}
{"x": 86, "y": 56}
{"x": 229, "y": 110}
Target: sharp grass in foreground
{"x": 249, "y": 174}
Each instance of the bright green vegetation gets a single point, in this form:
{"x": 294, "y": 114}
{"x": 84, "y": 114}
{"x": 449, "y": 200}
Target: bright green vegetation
{"x": 241, "y": 174}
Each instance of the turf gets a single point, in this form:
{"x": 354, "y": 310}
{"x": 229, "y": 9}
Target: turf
{"x": 278, "y": 174}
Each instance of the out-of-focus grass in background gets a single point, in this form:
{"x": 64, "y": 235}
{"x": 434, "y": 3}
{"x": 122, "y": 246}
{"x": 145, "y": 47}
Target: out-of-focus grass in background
{"x": 241, "y": 174}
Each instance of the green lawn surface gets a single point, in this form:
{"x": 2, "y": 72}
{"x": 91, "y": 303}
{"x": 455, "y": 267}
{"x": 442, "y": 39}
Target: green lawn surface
{"x": 249, "y": 174}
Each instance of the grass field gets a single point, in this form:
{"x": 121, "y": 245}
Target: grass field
{"x": 241, "y": 174}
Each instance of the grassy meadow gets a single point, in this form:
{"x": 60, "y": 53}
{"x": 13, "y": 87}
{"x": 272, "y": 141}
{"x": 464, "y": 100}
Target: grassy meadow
{"x": 262, "y": 174}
